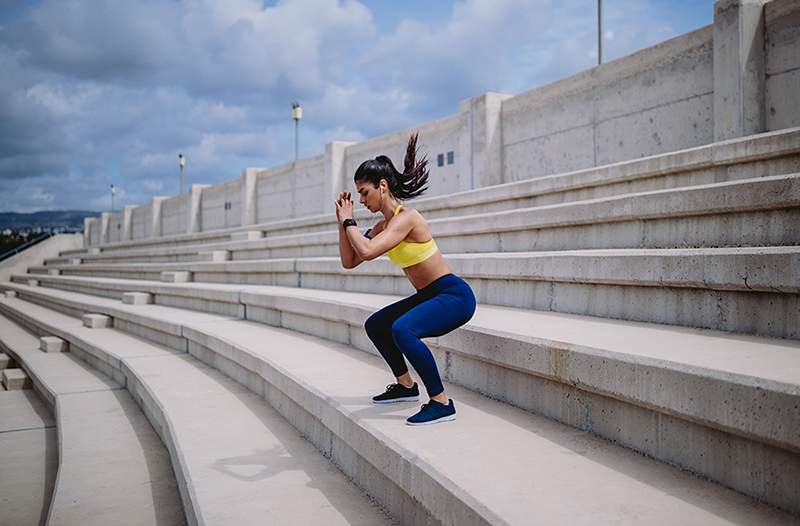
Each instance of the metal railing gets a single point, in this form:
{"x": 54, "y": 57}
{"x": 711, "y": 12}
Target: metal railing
{"x": 27, "y": 244}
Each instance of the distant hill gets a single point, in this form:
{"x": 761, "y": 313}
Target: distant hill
{"x": 48, "y": 219}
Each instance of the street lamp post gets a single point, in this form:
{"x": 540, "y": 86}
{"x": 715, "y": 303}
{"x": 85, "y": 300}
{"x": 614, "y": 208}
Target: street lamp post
{"x": 599, "y": 32}
{"x": 297, "y": 114}
{"x": 113, "y": 193}
{"x": 181, "y": 163}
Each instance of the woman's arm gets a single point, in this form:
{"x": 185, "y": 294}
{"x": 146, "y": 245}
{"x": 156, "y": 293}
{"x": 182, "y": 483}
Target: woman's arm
{"x": 386, "y": 239}
{"x": 346, "y": 254}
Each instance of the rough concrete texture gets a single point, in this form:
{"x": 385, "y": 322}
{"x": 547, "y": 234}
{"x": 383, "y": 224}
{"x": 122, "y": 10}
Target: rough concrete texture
{"x": 28, "y": 458}
{"x": 32, "y": 283}
{"x": 4, "y": 360}
{"x": 53, "y": 344}
{"x": 247, "y": 236}
{"x": 175, "y": 277}
{"x": 16, "y": 379}
{"x": 454, "y": 495}
{"x": 112, "y": 467}
{"x": 578, "y": 352}
{"x": 10, "y": 293}
{"x": 53, "y": 272}
{"x": 137, "y": 298}
{"x": 96, "y": 321}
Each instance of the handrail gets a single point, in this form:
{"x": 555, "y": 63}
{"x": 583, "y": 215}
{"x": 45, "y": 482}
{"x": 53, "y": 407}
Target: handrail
{"x": 27, "y": 244}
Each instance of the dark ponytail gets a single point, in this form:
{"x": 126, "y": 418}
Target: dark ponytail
{"x": 407, "y": 185}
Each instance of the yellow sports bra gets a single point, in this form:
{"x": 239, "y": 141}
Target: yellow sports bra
{"x": 407, "y": 253}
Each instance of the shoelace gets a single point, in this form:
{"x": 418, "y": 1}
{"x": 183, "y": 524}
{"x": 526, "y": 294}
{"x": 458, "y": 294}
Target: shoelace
{"x": 395, "y": 387}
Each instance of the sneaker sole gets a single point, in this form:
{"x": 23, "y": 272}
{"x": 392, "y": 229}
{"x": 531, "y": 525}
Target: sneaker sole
{"x": 406, "y": 399}
{"x": 447, "y": 418}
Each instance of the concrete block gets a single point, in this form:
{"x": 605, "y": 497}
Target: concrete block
{"x": 137, "y": 298}
{"x": 75, "y": 261}
{"x": 5, "y": 361}
{"x": 214, "y": 255}
{"x": 11, "y": 294}
{"x": 16, "y": 379}
{"x": 96, "y": 321}
{"x": 94, "y": 250}
{"x": 250, "y": 235}
{"x": 176, "y": 276}
{"x": 53, "y": 272}
{"x": 53, "y": 344}
{"x": 33, "y": 282}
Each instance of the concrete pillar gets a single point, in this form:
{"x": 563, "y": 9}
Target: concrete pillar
{"x": 249, "y": 197}
{"x": 739, "y": 102}
{"x": 88, "y": 224}
{"x": 485, "y": 140}
{"x": 336, "y": 180}
{"x": 194, "y": 223}
{"x": 104, "y": 217}
{"x": 155, "y": 231}
{"x": 127, "y": 225}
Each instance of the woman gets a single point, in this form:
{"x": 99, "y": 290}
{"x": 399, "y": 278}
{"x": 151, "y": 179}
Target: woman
{"x": 443, "y": 300}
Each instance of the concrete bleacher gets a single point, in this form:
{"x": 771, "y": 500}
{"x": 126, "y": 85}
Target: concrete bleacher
{"x": 649, "y": 306}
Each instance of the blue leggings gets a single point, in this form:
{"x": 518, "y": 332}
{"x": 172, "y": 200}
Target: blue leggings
{"x": 396, "y": 329}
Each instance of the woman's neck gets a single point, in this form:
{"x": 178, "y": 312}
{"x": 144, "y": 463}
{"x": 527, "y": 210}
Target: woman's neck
{"x": 389, "y": 206}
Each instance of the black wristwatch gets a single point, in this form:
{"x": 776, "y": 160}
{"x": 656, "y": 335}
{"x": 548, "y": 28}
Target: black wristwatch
{"x": 349, "y": 222}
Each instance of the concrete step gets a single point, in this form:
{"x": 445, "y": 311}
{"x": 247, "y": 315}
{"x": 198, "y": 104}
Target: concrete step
{"x": 750, "y": 290}
{"x": 237, "y": 461}
{"x": 112, "y": 467}
{"x": 15, "y": 380}
{"x": 753, "y": 212}
{"x": 28, "y": 458}
{"x": 766, "y": 154}
{"x": 428, "y": 475}
{"x": 596, "y": 375}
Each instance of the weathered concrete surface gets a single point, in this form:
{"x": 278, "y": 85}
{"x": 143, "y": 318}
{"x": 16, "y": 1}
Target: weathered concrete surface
{"x": 112, "y": 468}
{"x": 137, "y": 298}
{"x": 239, "y": 461}
{"x": 15, "y": 380}
{"x": 53, "y": 344}
{"x": 583, "y": 356}
{"x": 309, "y": 395}
{"x": 28, "y": 458}
{"x": 96, "y": 321}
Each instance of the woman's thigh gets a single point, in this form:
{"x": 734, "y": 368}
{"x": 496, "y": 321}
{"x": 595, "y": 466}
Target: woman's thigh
{"x": 385, "y": 317}
{"x": 436, "y": 316}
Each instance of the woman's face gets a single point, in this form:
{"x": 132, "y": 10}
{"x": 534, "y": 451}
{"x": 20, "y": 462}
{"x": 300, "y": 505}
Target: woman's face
{"x": 369, "y": 195}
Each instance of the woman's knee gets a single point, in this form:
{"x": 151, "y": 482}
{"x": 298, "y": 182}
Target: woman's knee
{"x": 375, "y": 325}
{"x": 402, "y": 330}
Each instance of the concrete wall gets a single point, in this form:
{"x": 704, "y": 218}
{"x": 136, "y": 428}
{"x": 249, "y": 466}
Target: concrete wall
{"x": 436, "y": 138}
{"x": 291, "y": 190}
{"x": 736, "y": 77}
{"x": 174, "y": 215}
{"x": 782, "y": 65}
{"x": 221, "y": 206}
{"x": 142, "y": 221}
{"x": 114, "y": 233}
{"x": 654, "y": 101}
{"x": 34, "y": 256}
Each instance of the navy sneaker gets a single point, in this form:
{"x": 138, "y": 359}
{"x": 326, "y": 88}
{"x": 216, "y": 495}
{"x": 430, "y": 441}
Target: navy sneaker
{"x": 433, "y": 412}
{"x": 397, "y": 393}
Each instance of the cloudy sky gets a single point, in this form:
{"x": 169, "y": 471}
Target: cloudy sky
{"x": 95, "y": 92}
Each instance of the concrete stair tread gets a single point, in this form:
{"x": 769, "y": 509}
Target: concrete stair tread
{"x": 516, "y": 453}
{"x": 772, "y": 192}
{"x": 28, "y": 458}
{"x": 60, "y": 373}
{"x": 759, "y": 358}
{"x": 245, "y": 462}
{"x": 114, "y": 469}
{"x": 23, "y": 410}
{"x": 112, "y": 466}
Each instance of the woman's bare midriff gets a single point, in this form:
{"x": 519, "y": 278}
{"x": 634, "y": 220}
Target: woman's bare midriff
{"x": 426, "y": 272}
